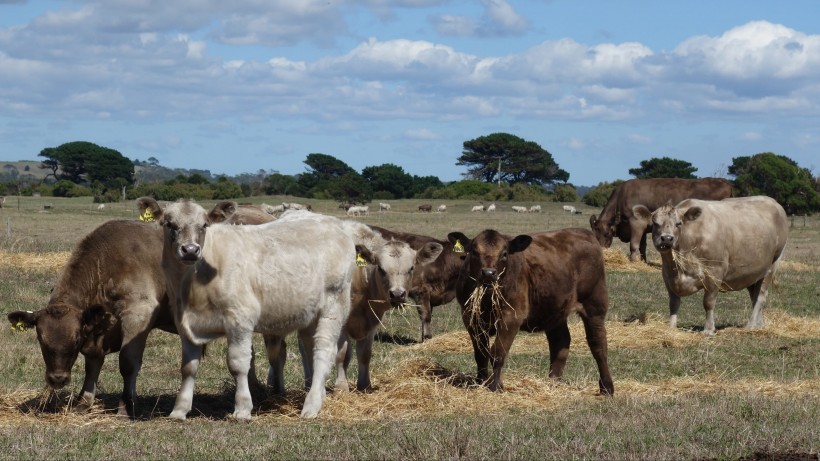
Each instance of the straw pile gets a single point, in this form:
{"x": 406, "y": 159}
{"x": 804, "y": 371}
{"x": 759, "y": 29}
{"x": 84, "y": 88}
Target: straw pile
{"x": 49, "y": 262}
{"x": 616, "y": 260}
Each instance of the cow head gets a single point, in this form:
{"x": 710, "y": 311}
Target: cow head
{"x": 487, "y": 253}
{"x": 667, "y": 223}
{"x": 604, "y": 230}
{"x": 396, "y": 261}
{"x": 63, "y": 331}
{"x": 184, "y": 223}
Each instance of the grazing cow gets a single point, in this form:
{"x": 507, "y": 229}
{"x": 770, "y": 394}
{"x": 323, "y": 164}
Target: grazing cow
{"x": 101, "y": 207}
{"x": 358, "y": 210}
{"x": 377, "y": 287}
{"x": 109, "y": 296}
{"x": 296, "y": 206}
{"x": 477, "y": 208}
{"x": 433, "y": 284}
{"x": 491, "y": 207}
{"x": 532, "y": 282}
{"x": 725, "y": 245}
{"x": 426, "y": 207}
{"x": 535, "y": 209}
{"x": 617, "y": 217}
{"x": 519, "y": 209}
{"x": 569, "y": 209}
{"x": 345, "y": 206}
{"x": 286, "y": 275}
{"x": 384, "y": 207}
{"x": 441, "y": 208}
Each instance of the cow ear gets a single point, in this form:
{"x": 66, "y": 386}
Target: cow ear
{"x": 21, "y": 320}
{"x": 96, "y": 320}
{"x": 149, "y": 209}
{"x": 428, "y": 253}
{"x": 222, "y": 211}
{"x": 593, "y": 220}
{"x": 364, "y": 254}
{"x": 641, "y": 212}
{"x": 461, "y": 244}
{"x": 520, "y": 243}
{"x": 692, "y": 213}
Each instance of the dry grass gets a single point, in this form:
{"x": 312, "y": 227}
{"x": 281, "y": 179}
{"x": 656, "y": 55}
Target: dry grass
{"x": 617, "y": 260}
{"x": 49, "y": 262}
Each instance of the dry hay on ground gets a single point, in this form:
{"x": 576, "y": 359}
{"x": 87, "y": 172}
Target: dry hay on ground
{"x": 616, "y": 260}
{"x": 51, "y": 262}
{"x": 796, "y": 266}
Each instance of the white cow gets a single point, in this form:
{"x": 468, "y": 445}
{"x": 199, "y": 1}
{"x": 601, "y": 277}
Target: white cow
{"x": 478, "y": 208}
{"x": 384, "y": 207}
{"x": 491, "y": 207}
{"x": 569, "y": 208}
{"x": 724, "y": 245}
{"x": 535, "y": 209}
{"x": 519, "y": 209}
{"x": 358, "y": 210}
{"x": 292, "y": 274}
{"x": 101, "y": 207}
{"x": 441, "y": 208}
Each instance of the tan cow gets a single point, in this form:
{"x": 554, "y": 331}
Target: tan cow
{"x": 532, "y": 282}
{"x": 725, "y": 245}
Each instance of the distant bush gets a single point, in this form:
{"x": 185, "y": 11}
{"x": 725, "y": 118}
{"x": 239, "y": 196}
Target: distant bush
{"x": 598, "y": 195}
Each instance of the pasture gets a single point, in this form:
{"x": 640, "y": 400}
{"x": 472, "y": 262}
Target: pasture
{"x": 678, "y": 395}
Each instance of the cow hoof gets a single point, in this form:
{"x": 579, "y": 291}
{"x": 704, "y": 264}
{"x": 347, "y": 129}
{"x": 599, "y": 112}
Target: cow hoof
{"x": 709, "y": 333}
{"x": 242, "y": 416}
{"x": 178, "y": 415}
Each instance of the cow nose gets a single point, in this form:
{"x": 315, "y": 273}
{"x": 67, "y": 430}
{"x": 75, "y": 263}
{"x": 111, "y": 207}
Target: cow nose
{"x": 666, "y": 238}
{"x": 57, "y": 379}
{"x": 398, "y": 295}
{"x": 489, "y": 273}
{"x": 189, "y": 251}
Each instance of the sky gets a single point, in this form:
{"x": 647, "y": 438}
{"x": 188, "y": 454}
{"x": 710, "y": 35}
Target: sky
{"x": 248, "y": 85}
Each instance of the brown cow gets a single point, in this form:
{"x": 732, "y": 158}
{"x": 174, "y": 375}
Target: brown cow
{"x": 541, "y": 279}
{"x": 618, "y": 219}
{"x": 426, "y": 207}
{"x": 377, "y": 287}
{"x": 725, "y": 245}
{"x": 433, "y": 284}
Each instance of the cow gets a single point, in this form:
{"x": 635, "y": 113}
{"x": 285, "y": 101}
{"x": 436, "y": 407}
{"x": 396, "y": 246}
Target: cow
{"x": 378, "y": 286}
{"x": 296, "y": 206}
{"x": 725, "y": 245}
{"x": 426, "y": 208}
{"x": 286, "y": 275}
{"x": 227, "y": 211}
{"x": 101, "y": 207}
{"x": 434, "y": 284}
{"x": 569, "y": 208}
{"x": 491, "y": 207}
{"x": 535, "y": 209}
{"x": 519, "y": 209}
{"x": 477, "y": 208}
{"x": 384, "y": 207}
{"x": 441, "y": 208}
{"x": 617, "y": 217}
{"x": 358, "y": 210}
{"x": 533, "y": 282}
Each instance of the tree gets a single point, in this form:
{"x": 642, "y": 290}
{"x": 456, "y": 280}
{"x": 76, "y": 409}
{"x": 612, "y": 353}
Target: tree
{"x": 389, "y": 178}
{"x": 518, "y": 161}
{"x": 664, "y": 167}
{"x": 84, "y": 162}
{"x": 780, "y": 178}
{"x": 565, "y": 193}
{"x": 225, "y": 189}
{"x": 322, "y": 169}
{"x": 350, "y": 188}
{"x": 598, "y": 195}
{"x": 280, "y": 184}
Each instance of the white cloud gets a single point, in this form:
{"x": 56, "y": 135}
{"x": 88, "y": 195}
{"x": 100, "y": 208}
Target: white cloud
{"x": 422, "y": 134}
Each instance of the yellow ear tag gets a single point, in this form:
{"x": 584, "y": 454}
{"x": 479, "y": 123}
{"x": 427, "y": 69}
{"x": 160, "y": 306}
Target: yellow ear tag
{"x": 360, "y": 261}
{"x": 147, "y": 216}
{"x": 458, "y": 247}
{"x": 19, "y": 326}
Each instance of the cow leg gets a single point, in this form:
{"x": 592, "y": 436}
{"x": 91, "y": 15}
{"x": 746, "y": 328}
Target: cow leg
{"x": 364, "y": 353}
{"x": 636, "y": 240}
{"x": 130, "y": 365}
{"x": 277, "y": 356}
{"x": 93, "y": 366}
{"x": 325, "y": 345}
{"x": 759, "y": 292}
{"x": 674, "y": 307}
{"x": 191, "y": 356}
{"x": 642, "y": 247}
{"x": 239, "y": 364}
{"x": 596, "y": 339}
{"x": 709, "y": 298}
{"x": 343, "y": 356}
{"x": 504, "y": 337}
{"x": 558, "y": 339}
{"x": 425, "y": 311}
{"x": 306, "y": 352}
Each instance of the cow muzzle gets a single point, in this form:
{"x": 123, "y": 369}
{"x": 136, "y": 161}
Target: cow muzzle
{"x": 58, "y": 379}
{"x": 398, "y": 296}
{"x": 189, "y": 253}
{"x": 664, "y": 242}
{"x": 489, "y": 275}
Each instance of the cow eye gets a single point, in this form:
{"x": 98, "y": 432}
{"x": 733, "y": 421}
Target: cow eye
{"x": 504, "y": 255}
{"x": 173, "y": 232}
{"x": 679, "y": 223}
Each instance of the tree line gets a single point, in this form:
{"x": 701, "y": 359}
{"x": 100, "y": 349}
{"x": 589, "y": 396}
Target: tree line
{"x": 499, "y": 167}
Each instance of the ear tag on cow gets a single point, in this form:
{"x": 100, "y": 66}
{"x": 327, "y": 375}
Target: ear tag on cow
{"x": 458, "y": 247}
{"x": 147, "y": 216}
{"x": 360, "y": 260}
{"x": 19, "y": 326}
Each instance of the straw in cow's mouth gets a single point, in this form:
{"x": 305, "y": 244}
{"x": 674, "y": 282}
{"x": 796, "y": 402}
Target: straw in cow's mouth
{"x": 693, "y": 266}
{"x": 473, "y": 304}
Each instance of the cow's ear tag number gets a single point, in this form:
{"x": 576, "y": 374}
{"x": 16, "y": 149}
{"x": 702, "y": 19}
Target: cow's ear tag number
{"x": 360, "y": 260}
{"x": 19, "y": 326}
{"x": 147, "y": 216}
{"x": 458, "y": 247}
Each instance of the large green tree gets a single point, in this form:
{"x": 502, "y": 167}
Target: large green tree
{"x": 517, "y": 159}
{"x": 83, "y": 162}
{"x": 389, "y": 178}
{"x": 322, "y": 169}
{"x": 780, "y": 178}
{"x": 664, "y": 167}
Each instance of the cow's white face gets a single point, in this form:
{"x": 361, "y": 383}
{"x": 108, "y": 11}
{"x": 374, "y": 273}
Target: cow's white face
{"x": 667, "y": 224}
{"x": 396, "y": 261}
{"x": 184, "y": 224}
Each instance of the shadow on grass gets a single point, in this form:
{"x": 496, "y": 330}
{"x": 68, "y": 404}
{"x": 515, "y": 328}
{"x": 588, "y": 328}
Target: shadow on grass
{"x": 390, "y": 338}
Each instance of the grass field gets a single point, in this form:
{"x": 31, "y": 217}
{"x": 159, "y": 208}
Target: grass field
{"x": 678, "y": 395}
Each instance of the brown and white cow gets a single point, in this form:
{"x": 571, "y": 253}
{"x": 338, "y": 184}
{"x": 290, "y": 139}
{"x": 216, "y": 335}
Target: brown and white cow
{"x": 725, "y": 245}
{"x": 618, "y": 219}
{"x": 107, "y": 299}
{"x": 378, "y": 286}
{"x": 541, "y": 279}
{"x": 433, "y": 284}
{"x": 278, "y": 277}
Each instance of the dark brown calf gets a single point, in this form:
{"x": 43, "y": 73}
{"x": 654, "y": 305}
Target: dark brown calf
{"x": 426, "y": 207}
{"x": 542, "y": 278}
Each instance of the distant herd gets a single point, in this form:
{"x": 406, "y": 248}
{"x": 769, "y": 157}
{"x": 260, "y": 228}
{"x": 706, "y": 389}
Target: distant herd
{"x": 239, "y": 269}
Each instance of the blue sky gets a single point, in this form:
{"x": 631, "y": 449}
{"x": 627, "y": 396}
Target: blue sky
{"x": 235, "y": 87}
